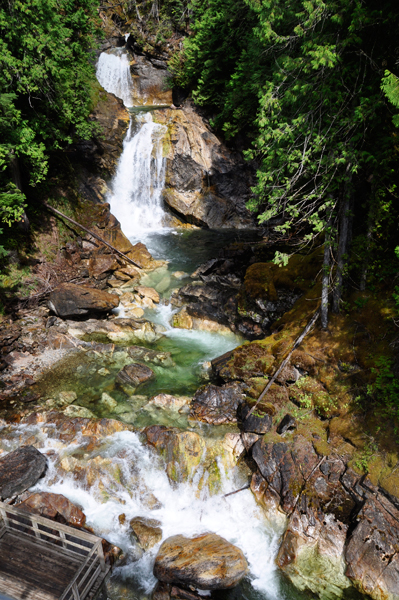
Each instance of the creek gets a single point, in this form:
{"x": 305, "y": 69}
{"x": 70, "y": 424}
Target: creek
{"x": 122, "y": 476}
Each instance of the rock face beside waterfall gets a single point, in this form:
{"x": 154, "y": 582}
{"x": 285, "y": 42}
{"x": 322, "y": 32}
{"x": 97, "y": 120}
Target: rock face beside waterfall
{"x": 206, "y": 184}
{"x": 206, "y": 562}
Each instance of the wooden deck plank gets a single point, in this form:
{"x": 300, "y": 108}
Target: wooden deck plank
{"x": 33, "y": 567}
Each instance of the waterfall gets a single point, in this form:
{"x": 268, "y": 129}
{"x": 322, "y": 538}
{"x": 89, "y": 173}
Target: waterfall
{"x": 136, "y": 190}
{"x": 113, "y": 74}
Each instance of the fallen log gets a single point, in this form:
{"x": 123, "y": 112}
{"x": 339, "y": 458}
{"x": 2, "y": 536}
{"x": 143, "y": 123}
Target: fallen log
{"x": 97, "y": 237}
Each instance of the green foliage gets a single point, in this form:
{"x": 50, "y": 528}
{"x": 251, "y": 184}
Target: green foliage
{"x": 45, "y": 88}
{"x": 390, "y": 86}
{"x": 385, "y": 389}
{"x": 301, "y": 80}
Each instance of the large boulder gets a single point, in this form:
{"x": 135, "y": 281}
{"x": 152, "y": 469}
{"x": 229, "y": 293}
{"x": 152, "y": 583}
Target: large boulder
{"x": 206, "y": 562}
{"x": 69, "y": 301}
{"x": 206, "y": 183}
{"x": 54, "y": 506}
{"x": 19, "y": 470}
{"x": 217, "y": 405}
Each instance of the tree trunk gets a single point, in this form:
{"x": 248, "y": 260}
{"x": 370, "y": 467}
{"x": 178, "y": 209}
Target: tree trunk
{"x": 363, "y": 274}
{"x": 17, "y": 179}
{"x": 343, "y": 242}
{"x": 326, "y": 278}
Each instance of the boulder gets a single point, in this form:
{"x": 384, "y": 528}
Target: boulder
{"x": 148, "y": 292}
{"x": 217, "y": 405}
{"x": 206, "y": 562}
{"x": 181, "y": 450}
{"x": 372, "y": 551}
{"x": 19, "y": 470}
{"x": 134, "y": 374}
{"x": 146, "y": 532}
{"x": 69, "y": 300}
{"x": 206, "y": 183}
{"x": 54, "y": 506}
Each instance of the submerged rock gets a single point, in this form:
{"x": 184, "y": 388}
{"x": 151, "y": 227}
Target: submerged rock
{"x": 217, "y": 405}
{"x": 19, "y": 470}
{"x": 163, "y": 359}
{"x": 133, "y": 375}
{"x": 146, "y": 532}
{"x": 206, "y": 562}
{"x": 122, "y": 331}
{"x": 69, "y": 300}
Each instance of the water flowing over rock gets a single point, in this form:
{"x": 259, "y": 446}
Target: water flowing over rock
{"x": 69, "y": 300}
{"x": 113, "y": 73}
{"x": 207, "y": 562}
{"x": 19, "y": 470}
{"x": 136, "y": 189}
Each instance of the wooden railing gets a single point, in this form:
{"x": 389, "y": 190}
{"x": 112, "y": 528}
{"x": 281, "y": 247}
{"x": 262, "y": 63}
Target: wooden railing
{"x": 84, "y": 547}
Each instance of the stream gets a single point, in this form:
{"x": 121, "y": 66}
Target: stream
{"x": 122, "y": 476}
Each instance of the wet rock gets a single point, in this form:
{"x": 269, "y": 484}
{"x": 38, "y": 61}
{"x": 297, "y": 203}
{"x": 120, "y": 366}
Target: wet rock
{"x": 285, "y": 468}
{"x": 184, "y": 320}
{"x": 286, "y": 424}
{"x": 54, "y": 506}
{"x": 146, "y": 532}
{"x": 141, "y": 257}
{"x": 181, "y": 450}
{"x": 163, "y": 359}
{"x": 20, "y": 469}
{"x": 206, "y": 562}
{"x": 74, "y": 411}
{"x": 134, "y": 374}
{"x": 126, "y": 331}
{"x": 147, "y": 292}
{"x": 107, "y": 402}
{"x": 372, "y": 551}
{"x": 311, "y": 554}
{"x": 169, "y": 402}
{"x": 69, "y": 300}
{"x": 258, "y": 421}
{"x": 217, "y": 405}
{"x": 151, "y": 84}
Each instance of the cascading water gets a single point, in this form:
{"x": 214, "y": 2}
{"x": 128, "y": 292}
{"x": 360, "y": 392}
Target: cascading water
{"x": 135, "y": 196}
{"x": 113, "y": 74}
{"x": 136, "y": 190}
{"x": 117, "y": 474}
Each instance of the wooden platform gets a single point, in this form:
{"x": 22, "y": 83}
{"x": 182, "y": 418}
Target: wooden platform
{"x": 44, "y": 560}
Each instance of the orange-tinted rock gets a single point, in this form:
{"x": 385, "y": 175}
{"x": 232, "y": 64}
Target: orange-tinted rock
{"x": 206, "y": 562}
{"x": 147, "y": 532}
{"x": 54, "y": 506}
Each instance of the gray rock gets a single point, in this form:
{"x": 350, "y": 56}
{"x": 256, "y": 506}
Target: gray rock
{"x": 19, "y": 470}
{"x": 134, "y": 374}
{"x": 69, "y": 301}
